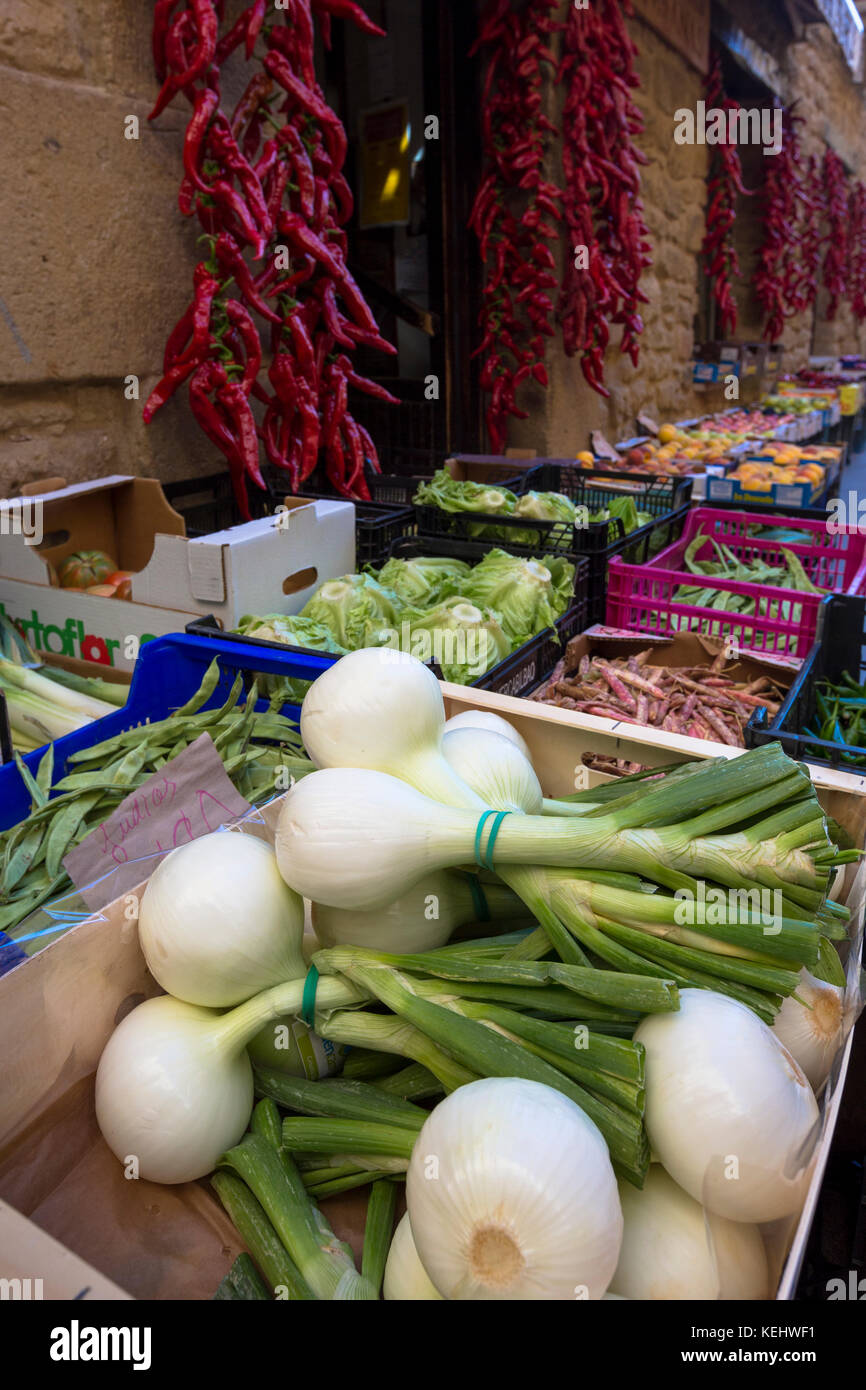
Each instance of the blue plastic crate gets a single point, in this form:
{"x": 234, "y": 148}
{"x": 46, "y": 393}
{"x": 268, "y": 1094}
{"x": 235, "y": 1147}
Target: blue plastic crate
{"x": 167, "y": 674}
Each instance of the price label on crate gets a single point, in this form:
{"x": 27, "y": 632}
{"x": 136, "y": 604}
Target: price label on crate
{"x": 190, "y": 796}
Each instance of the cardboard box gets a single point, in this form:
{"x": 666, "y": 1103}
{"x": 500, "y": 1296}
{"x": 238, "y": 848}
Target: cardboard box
{"x": 266, "y": 566}
{"x": 792, "y": 495}
{"x": 58, "y": 1009}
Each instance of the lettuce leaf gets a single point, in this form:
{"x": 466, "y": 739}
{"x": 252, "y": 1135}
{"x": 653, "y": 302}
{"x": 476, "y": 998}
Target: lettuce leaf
{"x": 529, "y": 595}
{"x": 354, "y": 609}
{"x": 424, "y": 580}
{"x": 291, "y": 629}
{"x": 466, "y": 640}
{"x": 450, "y": 495}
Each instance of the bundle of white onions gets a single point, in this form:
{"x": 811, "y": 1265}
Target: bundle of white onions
{"x": 525, "y": 1202}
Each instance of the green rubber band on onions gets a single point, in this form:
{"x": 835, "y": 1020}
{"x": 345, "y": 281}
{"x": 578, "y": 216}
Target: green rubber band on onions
{"x": 308, "y": 1003}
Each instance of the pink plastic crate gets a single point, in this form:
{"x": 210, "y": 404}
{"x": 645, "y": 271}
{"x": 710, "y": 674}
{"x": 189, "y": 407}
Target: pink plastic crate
{"x": 641, "y": 597}
{"x": 834, "y": 560}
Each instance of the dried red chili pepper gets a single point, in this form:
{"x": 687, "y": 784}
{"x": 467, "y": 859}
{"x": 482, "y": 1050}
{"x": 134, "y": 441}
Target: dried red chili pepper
{"x": 515, "y": 139}
{"x": 857, "y": 263}
{"x": 205, "y": 106}
{"x": 236, "y": 404}
{"x": 206, "y": 24}
{"x": 241, "y": 193}
{"x": 603, "y": 209}
{"x": 211, "y": 418}
{"x": 725, "y": 181}
{"x": 345, "y": 9}
{"x": 238, "y": 316}
{"x": 834, "y": 270}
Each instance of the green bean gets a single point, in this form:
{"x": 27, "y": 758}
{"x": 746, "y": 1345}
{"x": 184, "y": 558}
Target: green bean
{"x": 63, "y": 831}
{"x": 45, "y": 771}
{"x": 204, "y": 692}
{"x": 38, "y": 795}
{"x": 22, "y": 859}
{"x": 132, "y": 764}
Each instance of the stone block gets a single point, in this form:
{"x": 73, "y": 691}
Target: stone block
{"x": 97, "y": 259}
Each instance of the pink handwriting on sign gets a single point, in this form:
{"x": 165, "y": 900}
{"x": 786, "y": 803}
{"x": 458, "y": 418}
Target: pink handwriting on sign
{"x": 200, "y": 820}
{"x": 114, "y": 833}
{"x": 207, "y": 802}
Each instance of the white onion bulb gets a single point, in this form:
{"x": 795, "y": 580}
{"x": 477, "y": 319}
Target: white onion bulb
{"x": 171, "y": 1091}
{"x": 373, "y": 704}
{"x": 729, "y": 1113}
{"x": 673, "y": 1249}
{"x": 484, "y": 719}
{"x": 813, "y": 1034}
{"x": 495, "y": 768}
{"x": 421, "y": 919}
{"x": 511, "y": 1195}
{"x": 406, "y": 1279}
{"x": 218, "y": 924}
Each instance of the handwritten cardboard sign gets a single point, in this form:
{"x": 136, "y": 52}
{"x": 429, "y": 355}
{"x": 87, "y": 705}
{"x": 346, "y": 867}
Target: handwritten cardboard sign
{"x": 601, "y": 447}
{"x": 188, "y": 797}
{"x": 648, "y": 423}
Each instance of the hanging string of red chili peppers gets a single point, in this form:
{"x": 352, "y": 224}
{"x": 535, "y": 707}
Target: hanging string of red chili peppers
{"x": 516, "y": 209}
{"x": 725, "y": 181}
{"x": 601, "y": 200}
{"x": 810, "y": 232}
{"x": 262, "y": 185}
{"x": 784, "y": 281}
{"x": 857, "y": 261}
{"x": 835, "y": 268}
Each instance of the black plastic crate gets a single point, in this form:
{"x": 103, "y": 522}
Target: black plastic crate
{"x": 209, "y": 627}
{"x": 838, "y": 648}
{"x": 517, "y": 674}
{"x": 668, "y": 500}
{"x": 208, "y": 504}
{"x": 521, "y": 672}
{"x": 377, "y": 524}
{"x": 395, "y": 489}
{"x": 5, "y": 732}
{"x": 401, "y": 488}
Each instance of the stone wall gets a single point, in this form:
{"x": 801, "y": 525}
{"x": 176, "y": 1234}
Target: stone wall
{"x": 97, "y": 261}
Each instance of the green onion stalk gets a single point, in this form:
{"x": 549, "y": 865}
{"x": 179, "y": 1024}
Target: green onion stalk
{"x": 272, "y": 1176}
{"x": 358, "y": 1028}
{"x": 749, "y": 821}
{"x": 486, "y": 1049}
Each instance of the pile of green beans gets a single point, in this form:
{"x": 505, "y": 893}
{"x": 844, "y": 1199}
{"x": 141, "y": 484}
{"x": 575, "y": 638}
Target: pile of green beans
{"x": 840, "y": 717}
{"x": 255, "y": 747}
